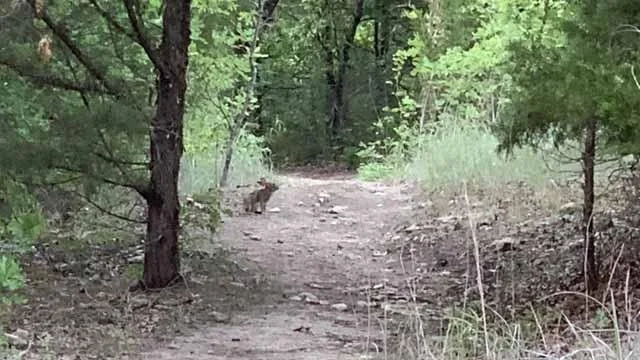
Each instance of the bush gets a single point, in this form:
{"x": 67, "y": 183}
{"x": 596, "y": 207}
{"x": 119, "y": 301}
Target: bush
{"x": 11, "y": 280}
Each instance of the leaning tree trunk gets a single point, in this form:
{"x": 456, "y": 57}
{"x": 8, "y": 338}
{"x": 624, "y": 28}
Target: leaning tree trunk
{"x": 588, "y": 165}
{"x": 162, "y": 258}
{"x": 264, "y": 17}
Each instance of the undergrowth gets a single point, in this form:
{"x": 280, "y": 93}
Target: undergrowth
{"x": 475, "y": 330}
{"x": 455, "y": 154}
{"x": 459, "y": 154}
{"x": 201, "y": 171}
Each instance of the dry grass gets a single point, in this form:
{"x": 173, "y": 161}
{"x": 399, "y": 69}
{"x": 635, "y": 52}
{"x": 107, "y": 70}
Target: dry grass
{"x": 477, "y": 331}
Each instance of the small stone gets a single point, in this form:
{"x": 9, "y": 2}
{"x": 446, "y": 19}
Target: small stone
{"x": 139, "y": 301}
{"x": 412, "y": 228}
{"x": 340, "y": 307}
{"x": 219, "y": 317}
{"x": 309, "y": 298}
{"x": 570, "y": 208}
{"x": 337, "y": 209}
{"x": 504, "y": 244}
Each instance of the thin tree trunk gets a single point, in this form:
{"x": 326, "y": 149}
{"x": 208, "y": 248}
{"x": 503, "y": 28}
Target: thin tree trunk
{"x": 336, "y": 83}
{"x": 381, "y": 43}
{"x": 228, "y": 156}
{"x": 268, "y": 17}
{"x": 588, "y": 165}
{"x": 162, "y": 258}
{"x": 264, "y": 17}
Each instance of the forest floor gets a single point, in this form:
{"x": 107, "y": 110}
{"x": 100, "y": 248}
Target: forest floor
{"x": 335, "y": 269}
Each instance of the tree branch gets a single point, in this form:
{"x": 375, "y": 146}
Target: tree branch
{"x": 141, "y": 37}
{"x": 268, "y": 9}
{"x": 120, "y": 162}
{"x": 61, "y": 33}
{"x": 141, "y": 189}
{"x": 110, "y": 213}
{"x": 112, "y": 20}
{"x": 38, "y": 78}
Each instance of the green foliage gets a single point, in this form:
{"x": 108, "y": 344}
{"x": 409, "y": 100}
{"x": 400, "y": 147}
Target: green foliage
{"x": 201, "y": 171}
{"x": 214, "y": 72}
{"x": 554, "y": 82}
{"x": 11, "y": 280}
{"x": 134, "y": 271}
{"x": 86, "y": 136}
{"x": 208, "y": 203}
{"x": 375, "y": 171}
{"x": 23, "y": 222}
{"x": 22, "y": 218}
{"x": 454, "y": 154}
{"x": 218, "y": 96}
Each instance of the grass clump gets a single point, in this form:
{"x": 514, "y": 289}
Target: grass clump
{"x": 463, "y": 336}
{"x": 456, "y": 154}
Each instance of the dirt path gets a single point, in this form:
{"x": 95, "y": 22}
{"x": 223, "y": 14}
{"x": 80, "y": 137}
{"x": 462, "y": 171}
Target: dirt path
{"x": 319, "y": 241}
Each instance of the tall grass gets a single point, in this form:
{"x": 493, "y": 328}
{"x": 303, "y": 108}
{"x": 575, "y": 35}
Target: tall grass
{"x": 468, "y": 334}
{"x": 457, "y": 154}
{"x": 202, "y": 171}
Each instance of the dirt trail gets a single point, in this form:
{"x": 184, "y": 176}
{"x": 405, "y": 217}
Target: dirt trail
{"x": 322, "y": 240}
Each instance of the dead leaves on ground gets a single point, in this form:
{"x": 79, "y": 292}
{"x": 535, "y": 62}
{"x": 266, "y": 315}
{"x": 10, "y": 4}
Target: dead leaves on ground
{"x": 536, "y": 262}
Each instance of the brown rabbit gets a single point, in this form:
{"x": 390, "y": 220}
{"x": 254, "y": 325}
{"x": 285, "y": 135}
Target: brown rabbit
{"x": 260, "y": 196}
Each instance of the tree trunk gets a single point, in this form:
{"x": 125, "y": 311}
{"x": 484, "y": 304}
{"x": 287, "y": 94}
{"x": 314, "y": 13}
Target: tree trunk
{"x": 257, "y": 112}
{"x": 381, "y": 44}
{"x": 264, "y": 18}
{"x": 336, "y": 82}
{"x": 228, "y": 155}
{"x": 588, "y": 165}
{"x": 162, "y": 258}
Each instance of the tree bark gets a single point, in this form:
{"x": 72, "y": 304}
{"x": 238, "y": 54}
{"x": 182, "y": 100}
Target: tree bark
{"x": 162, "y": 258}
{"x": 381, "y": 45}
{"x": 268, "y": 18}
{"x": 588, "y": 165}
{"x": 336, "y": 82}
{"x": 228, "y": 155}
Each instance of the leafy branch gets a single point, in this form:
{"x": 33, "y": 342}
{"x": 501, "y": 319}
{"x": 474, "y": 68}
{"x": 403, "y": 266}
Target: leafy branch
{"x": 142, "y": 39}
{"x": 61, "y": 33}
{"x": 40, "y": 78}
